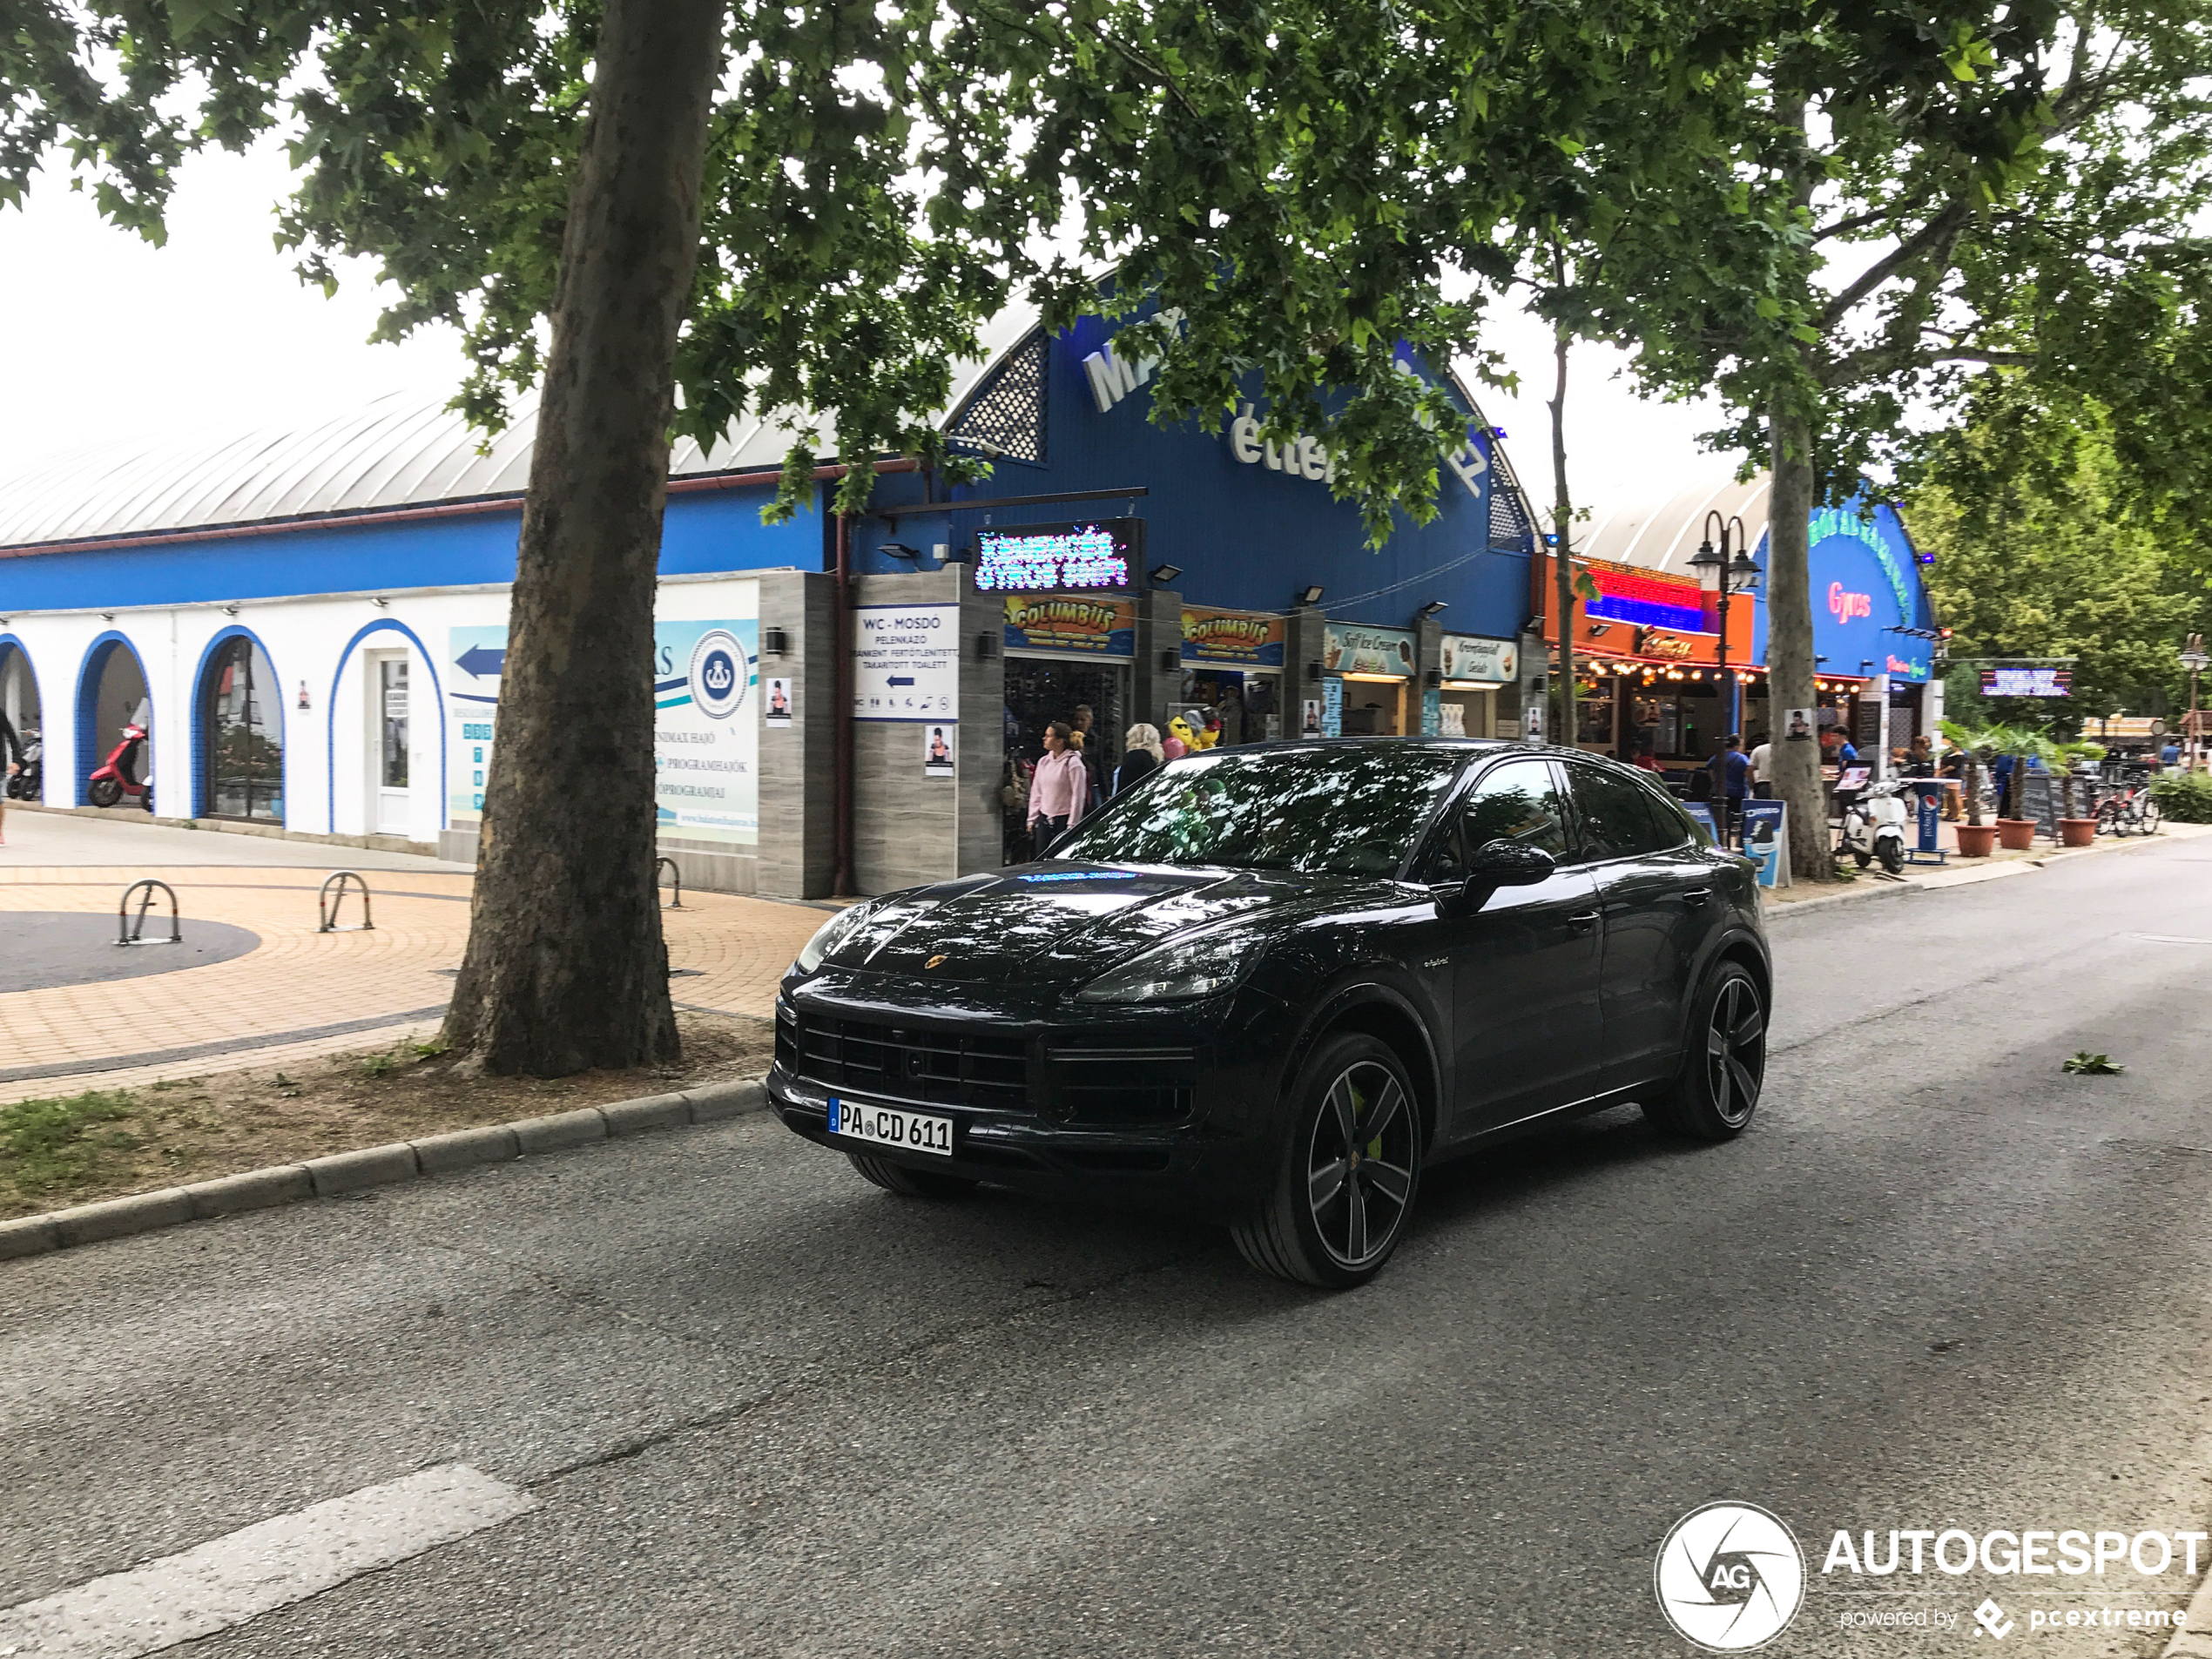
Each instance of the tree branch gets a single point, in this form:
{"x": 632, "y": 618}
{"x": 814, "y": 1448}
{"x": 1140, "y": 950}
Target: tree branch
{"x": 1931, "y": 234}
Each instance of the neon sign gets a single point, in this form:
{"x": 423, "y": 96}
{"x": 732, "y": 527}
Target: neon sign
{"x": 1844, "y": 605}
{"x": 1037, "y": 558}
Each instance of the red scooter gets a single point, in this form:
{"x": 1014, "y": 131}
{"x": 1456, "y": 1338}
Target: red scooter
{"x": 112, "y": 781}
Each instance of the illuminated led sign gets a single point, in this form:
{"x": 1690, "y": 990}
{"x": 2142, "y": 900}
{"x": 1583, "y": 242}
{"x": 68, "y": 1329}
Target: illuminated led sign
{"x": 1647, "y": 600}
{"x": 1038, "y": 558}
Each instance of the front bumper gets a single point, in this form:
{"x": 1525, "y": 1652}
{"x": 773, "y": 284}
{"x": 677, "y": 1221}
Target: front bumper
{"x": 1160, "y": 1107}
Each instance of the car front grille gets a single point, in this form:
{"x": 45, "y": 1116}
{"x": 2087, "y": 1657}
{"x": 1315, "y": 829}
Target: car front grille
{"x": 906, "y": 1062}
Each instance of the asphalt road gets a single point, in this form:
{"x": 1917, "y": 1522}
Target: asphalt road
{"x": 764, "y": 1408}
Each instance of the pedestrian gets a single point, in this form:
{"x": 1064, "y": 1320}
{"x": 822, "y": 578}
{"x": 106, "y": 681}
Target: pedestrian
{"x": 1058, "y": 789}
{"x": 1919, "y": 758}
{"x": 1141, "y": 753}
{"x": 1762, "y": 772}
{"x": 1731, "y": 770}
{"x": 2171, "y": 754}
{"x": 10, "y": 764}
{"x": 1092, "y": 747}
{"x": 1952, "y": 765}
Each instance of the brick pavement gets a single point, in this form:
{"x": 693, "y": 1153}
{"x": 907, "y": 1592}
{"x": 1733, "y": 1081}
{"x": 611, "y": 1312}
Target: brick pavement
{"x": 298, "y": 982}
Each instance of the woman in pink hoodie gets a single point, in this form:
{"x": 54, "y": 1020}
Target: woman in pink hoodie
{"x": 1058, "y": 790}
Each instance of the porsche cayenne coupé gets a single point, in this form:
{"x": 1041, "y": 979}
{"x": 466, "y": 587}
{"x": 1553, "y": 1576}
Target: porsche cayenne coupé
{"x": 1279, "y": 984}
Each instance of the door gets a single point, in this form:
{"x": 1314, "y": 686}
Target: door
{"x": 1525, "y": 966}
{"x": 1655, "y": 887}
{"x": 389, "y": 713}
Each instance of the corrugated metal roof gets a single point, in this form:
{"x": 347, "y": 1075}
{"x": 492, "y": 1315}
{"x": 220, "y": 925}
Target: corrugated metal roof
{"x": 1664, "y": 536}
{"x": 400, "y": 451}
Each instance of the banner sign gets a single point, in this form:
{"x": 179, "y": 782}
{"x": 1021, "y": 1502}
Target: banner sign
{"x": 1232, "y": 639}
{"x": 1648, "y": 600}
{"x": 1038, "y": 558}
{"x": 2027, "y": 682}
{"x": 905, "y": 662}
{"x": 1352, "y": 649}
{"x": 1766, "y": 840}
{"x": 1077, "y": 624}
{"x": 706, "y": 731}
{"x": 1468, "y": 657}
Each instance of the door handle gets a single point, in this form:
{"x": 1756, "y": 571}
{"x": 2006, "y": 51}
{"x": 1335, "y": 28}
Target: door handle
{"x": 1582, "y": 921}
{"x": 1696, "y": 896}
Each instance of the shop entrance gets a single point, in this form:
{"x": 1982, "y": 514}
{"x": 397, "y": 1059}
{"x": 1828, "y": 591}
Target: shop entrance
{"x": 389, "y": 796}
{"x": 1041, "y": 689}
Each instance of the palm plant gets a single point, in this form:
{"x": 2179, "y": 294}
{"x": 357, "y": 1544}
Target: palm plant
{"x": 2062, "y": 759}
{"x": 1981, "y": 745}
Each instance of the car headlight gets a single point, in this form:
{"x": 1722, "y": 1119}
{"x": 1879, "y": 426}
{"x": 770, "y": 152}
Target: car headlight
{"x": 1175, "y": 973}
{"x": 832, "y": 934}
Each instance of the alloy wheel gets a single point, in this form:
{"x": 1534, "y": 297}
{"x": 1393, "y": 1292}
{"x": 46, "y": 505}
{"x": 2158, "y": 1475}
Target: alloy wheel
{"x": 1735, "y": 1051}
{"x": 1359, "y": 1168}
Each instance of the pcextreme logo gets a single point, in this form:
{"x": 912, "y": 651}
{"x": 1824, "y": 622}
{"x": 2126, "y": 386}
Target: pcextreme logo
{"x": 1730, "y": 1577}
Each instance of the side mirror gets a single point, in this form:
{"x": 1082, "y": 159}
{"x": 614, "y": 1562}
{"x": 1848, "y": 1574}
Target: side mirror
{"x": 1509, "y": 864}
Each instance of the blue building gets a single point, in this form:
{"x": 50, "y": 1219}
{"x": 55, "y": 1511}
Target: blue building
{"x": 311, "y": 623}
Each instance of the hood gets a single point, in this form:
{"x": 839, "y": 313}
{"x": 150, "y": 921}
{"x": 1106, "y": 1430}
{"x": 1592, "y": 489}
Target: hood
{"x": 1066, "y": 923}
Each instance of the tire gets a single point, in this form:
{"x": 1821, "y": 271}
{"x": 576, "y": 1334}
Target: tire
{"x": 909, "y": 1183}
{"x": 1892, "y": 858}
{"x": 1352, "y": 1122}
{"x": 2107, "y": 818}
{"x": 104, "y": 792}
{"x": 2153, "y": 815}
{"x": 1717, "y": 1089}
{"x": 1861, "y": 857}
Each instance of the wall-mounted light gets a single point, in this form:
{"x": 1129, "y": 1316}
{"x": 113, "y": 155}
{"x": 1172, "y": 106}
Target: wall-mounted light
{"x": 900, "y": 550}
{"x": 1310, "y": 595}
{"x": 774, "y": 641}
{"x": 107, "y": 616}
{"x": 1163, "y": 574}
{"x": 381, "y": 602}
{"x": 987, "y": 646}
{"x": 230, "y": 611}
{"x": 1313, "y": 669}
{"x": 1434, "y": 679}
{"x": 1428, "y": 611}
{"x": 1170, "y": 659}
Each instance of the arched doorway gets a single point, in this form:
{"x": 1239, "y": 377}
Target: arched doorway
{"x": 241, "y": 733}
{"x": 19, "y": 706}
{"x": 111, "y": 694}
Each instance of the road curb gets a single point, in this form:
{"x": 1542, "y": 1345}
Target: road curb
{"x": 1966, "y": 872}
{"x": 343, "y": 1173}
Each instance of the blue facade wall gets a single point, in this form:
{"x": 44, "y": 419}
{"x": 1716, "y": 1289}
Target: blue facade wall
{"x": 1865, "y": 587}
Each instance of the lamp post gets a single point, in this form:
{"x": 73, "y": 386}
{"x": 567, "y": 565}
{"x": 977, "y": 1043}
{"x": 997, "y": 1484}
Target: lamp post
{"x": 2193, "y": 659}
{"x": 1733, "y": 573}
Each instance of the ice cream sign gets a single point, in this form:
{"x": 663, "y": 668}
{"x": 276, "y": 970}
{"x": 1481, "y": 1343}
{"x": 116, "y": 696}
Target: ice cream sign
{"x": 1352, "y": 650}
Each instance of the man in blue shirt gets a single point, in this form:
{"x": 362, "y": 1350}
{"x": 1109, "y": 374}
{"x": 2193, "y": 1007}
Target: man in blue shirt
{"x": 1731, "y": 770}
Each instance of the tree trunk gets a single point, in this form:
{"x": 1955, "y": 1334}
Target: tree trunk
{"x": 1562, "y": 552}
{"x": 566, "y": 968}
{"x": 1788, "y": 650}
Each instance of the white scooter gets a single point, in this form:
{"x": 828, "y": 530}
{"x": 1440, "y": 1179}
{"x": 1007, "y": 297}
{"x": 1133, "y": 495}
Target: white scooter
{"x": 1874, "y": 826}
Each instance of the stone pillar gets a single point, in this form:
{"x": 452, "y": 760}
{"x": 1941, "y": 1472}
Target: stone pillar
{"x": 1304, "y": 642}
{"x": 1155, "y": 674}
{"x": 1428, "y": 673}
{"x": 794, "y": 784}
{"x": 979, "y": 831}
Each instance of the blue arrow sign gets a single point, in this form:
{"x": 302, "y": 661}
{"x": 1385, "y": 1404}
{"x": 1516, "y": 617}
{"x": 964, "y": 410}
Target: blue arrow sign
{"x": 896, "y": 680}
{"x": 482, "y": 664}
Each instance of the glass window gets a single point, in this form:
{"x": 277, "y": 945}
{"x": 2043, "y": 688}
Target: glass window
{"x": 244, "y": 731}
{"x": 1618, "y": 817}
{"x": 1351, "y": 810}
{"x": 392, "y": 684}
{"x": 1518, "y": 801}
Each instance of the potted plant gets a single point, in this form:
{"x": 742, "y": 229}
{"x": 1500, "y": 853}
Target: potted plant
{"x": 2074, "y": 830}
{"x": 1976, "y": 838}
{"x": 2014, "y": 833}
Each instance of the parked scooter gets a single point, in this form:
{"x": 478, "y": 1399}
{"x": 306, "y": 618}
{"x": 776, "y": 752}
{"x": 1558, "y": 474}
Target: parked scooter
{"x": 28, "y": 781}
{"x": 1874, "y": 826}
{"x": 112, "y": 781}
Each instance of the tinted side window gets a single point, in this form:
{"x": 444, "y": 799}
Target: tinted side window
{"x": 1619, "y": 818}
{"x": 1518, "y": 801}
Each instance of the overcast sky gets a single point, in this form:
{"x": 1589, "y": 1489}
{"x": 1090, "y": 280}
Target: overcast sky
{"x": 108, "y": 337}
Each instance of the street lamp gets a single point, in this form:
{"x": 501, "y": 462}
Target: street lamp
{"x": 2193, "y": 659}
{"x": 1733, "y": 572}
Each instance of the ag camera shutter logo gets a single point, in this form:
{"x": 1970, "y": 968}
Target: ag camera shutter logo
{"x": 1730, "y": 1577}
{"x": 717, "y": 674}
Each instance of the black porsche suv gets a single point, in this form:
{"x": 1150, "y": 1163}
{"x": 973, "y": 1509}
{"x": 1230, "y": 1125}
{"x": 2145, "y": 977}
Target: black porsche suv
{"x": 1278, "y": 983}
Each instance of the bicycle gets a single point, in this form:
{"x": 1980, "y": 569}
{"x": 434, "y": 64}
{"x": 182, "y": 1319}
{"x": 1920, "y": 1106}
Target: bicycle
{"x": 2129, "y": 809}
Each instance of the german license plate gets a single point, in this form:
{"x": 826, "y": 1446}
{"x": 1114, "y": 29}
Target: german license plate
{"x": 891, "y": 1126}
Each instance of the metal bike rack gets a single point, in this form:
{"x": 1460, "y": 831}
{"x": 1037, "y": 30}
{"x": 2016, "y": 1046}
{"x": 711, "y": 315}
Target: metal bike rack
{"x": 676, "y": 877}
{"x": 328, "y": 904}
{"x": 127, "y": 927}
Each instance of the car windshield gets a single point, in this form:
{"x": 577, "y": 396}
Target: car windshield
{"x": 1349, "y": 811}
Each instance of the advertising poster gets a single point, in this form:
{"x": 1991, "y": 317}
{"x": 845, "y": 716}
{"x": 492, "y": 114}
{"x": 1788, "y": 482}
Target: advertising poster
{"x": 1433, "y": 715}
{"x": 1333, "y": 708}
{"x": 1765, "y": 840}
{"x": 776, "y": 706}
{"x": 1470, "y": 656}
{"x": 706, "y": 737}
{"x": 938, "y": 748}
{"x": 1702, "y": 811}
{"x": 1309, "y": 725}
{"x": 1351, "y": 649}
{"x": 1799, "y": 725}
{"x": 905, "y": 662}
{"x": 1074, "y": 623}
{"x": 1232, "y": 639}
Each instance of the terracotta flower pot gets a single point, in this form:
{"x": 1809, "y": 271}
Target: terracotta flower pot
{"x": 1976, "y": 840}
{"x": 2077, "y": 832}
{"x": 2016, "y": 834}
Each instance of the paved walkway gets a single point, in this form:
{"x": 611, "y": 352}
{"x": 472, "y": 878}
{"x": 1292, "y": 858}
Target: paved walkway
{"x": 300, "y": 993}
